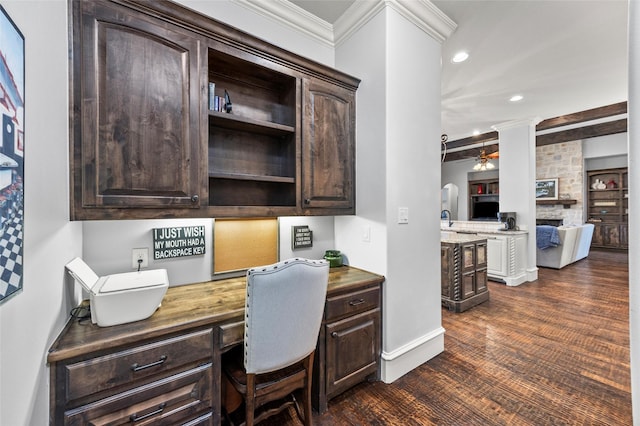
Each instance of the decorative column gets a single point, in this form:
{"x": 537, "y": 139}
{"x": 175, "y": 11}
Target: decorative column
{"x": 517, "y": 141}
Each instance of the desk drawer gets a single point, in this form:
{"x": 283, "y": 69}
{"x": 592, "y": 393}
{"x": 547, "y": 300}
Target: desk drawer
{"x": 124, "y": 368}
{"x": 231, "y": 334}
{"x": 173, "y": 400}
{"x": 352, "y": 303}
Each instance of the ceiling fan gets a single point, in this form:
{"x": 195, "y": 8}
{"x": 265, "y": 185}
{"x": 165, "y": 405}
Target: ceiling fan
{"x": 483, "y": 160}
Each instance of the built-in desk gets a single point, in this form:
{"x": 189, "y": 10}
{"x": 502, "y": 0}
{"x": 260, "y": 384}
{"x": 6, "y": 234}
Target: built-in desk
{"x": 167, "y": 368}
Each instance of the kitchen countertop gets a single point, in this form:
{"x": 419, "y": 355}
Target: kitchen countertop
{"x": 481, "y": 231}
{"x": 458, "y": 238}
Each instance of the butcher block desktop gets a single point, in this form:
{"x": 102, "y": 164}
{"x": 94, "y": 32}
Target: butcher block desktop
{"x": 167, "y": 368}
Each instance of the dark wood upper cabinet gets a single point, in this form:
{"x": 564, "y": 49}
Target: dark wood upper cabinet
{"x": 146, "y": 143}
{"x": 136, "y": 113}
{"x": 328, "y": 148}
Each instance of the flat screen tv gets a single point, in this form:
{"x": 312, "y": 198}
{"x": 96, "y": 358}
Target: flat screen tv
{"x": 485, "y": 210}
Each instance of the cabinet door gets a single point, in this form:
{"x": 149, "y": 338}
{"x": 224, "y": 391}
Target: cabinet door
{"x": 468, "y": 284}
{"x": 606, "y": 235}
{"x": 328, "y": 147}
{"x": 136, "y": 100}
{"x": 352, "y": 350}
{"x": 624, "y": 235}
{"x": 497, "y": 259}
{"x": 481, "y": 281}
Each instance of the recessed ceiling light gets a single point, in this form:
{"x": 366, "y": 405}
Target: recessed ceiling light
{"x": 516, "y": 98}
{"x": 460, "y": 57}
{"x": 476, "y": 132}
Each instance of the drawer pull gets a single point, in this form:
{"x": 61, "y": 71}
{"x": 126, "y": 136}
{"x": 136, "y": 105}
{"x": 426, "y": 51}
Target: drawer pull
{"x": 356, "y": 302}
{"x": 334, "y": 334}
{"x": 134, "y": 417}
{"x": 135, "y": 367}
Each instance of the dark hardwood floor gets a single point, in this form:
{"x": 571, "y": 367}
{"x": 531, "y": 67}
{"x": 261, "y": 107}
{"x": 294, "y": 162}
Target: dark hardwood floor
{"x": 550, "y": 352}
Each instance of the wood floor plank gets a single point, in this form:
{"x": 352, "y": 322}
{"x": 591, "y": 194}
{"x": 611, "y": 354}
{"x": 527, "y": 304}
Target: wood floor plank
{"x": 550, "y": 352}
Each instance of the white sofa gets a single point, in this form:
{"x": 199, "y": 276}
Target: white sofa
{"x": 575, "y": 241}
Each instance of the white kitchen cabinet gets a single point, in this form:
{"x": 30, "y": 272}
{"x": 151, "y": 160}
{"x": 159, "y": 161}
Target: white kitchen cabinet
{"x": 506, "y": 258}
{"x": 497, "y": 259}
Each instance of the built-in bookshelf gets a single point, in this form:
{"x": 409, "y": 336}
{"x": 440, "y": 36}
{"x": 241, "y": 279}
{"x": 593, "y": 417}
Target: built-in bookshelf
{"x": 484, "y": 199}
{"x": 608, "y": 207}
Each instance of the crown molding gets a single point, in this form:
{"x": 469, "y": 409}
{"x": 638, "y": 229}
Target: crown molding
{"x": 426, "y": 16}
{"x": 531, "y": 122}
{"x": 292, "y": 16}
{"x": 358, "y": 14}
{"x": 421, "y": 13}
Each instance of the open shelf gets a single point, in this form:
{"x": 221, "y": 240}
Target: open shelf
{"x": 252, "y": 149}
{"x": 259, "y": 178}
{"x": 237, "y": 122}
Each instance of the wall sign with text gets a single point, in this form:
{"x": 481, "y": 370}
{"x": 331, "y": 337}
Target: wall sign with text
{"x": 179, "y": 241}
{"x": 301, "y": 237}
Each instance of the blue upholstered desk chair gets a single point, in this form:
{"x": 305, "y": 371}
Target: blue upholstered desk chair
{"x": 283, "y": 312}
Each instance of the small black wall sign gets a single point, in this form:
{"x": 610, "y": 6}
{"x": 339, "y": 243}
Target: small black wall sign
{"x": 301, "y": 237}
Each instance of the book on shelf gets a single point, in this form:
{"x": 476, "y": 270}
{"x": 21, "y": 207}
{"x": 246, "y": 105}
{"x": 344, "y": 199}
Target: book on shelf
{"x": 218, "y": 103}
{"x": 212, "y": 96}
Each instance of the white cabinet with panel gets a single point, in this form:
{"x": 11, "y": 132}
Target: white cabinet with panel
{"x": 506, "y": 257}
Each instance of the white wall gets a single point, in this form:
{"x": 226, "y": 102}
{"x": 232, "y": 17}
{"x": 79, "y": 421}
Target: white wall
{"x": 517, "y": 174}
{"x": 398, "y": 112}
{"x": 323, "y": 237}
{"x": 368, "y": 64}
{"x": 32, "y": 319}
{"x": 108, "y": 245}
{"x": 605, "y": 146}
{"x": 413, "y": 306}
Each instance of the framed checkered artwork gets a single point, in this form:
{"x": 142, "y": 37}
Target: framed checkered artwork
{"x": 11, "y": 156}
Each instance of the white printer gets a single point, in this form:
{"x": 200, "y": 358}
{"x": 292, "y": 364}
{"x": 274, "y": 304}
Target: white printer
{"x": 120, "y": 298}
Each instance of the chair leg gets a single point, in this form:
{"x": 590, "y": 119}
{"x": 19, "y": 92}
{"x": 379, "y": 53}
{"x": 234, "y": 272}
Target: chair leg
{"x": 306, "y": 392}
{"x": 250, "y": 400}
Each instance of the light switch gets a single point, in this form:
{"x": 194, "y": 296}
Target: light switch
{"x": 403, "y": 214}
{"x": 366, "y": 234}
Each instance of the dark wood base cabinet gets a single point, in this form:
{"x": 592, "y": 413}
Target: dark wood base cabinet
{"x": 464, "y": 274}
{"x": 166, "y": 369}
{"x": 349, "y": 343}
{"x": 167, "y": 382}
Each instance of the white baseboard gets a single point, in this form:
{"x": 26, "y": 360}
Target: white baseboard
{"x": 400, "y": 361}
{"x": 515, "y": 280}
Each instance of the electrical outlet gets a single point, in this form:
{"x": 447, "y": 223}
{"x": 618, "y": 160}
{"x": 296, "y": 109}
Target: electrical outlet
{"x": 403, "y": 214}
{"x": 140, "y": 256}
